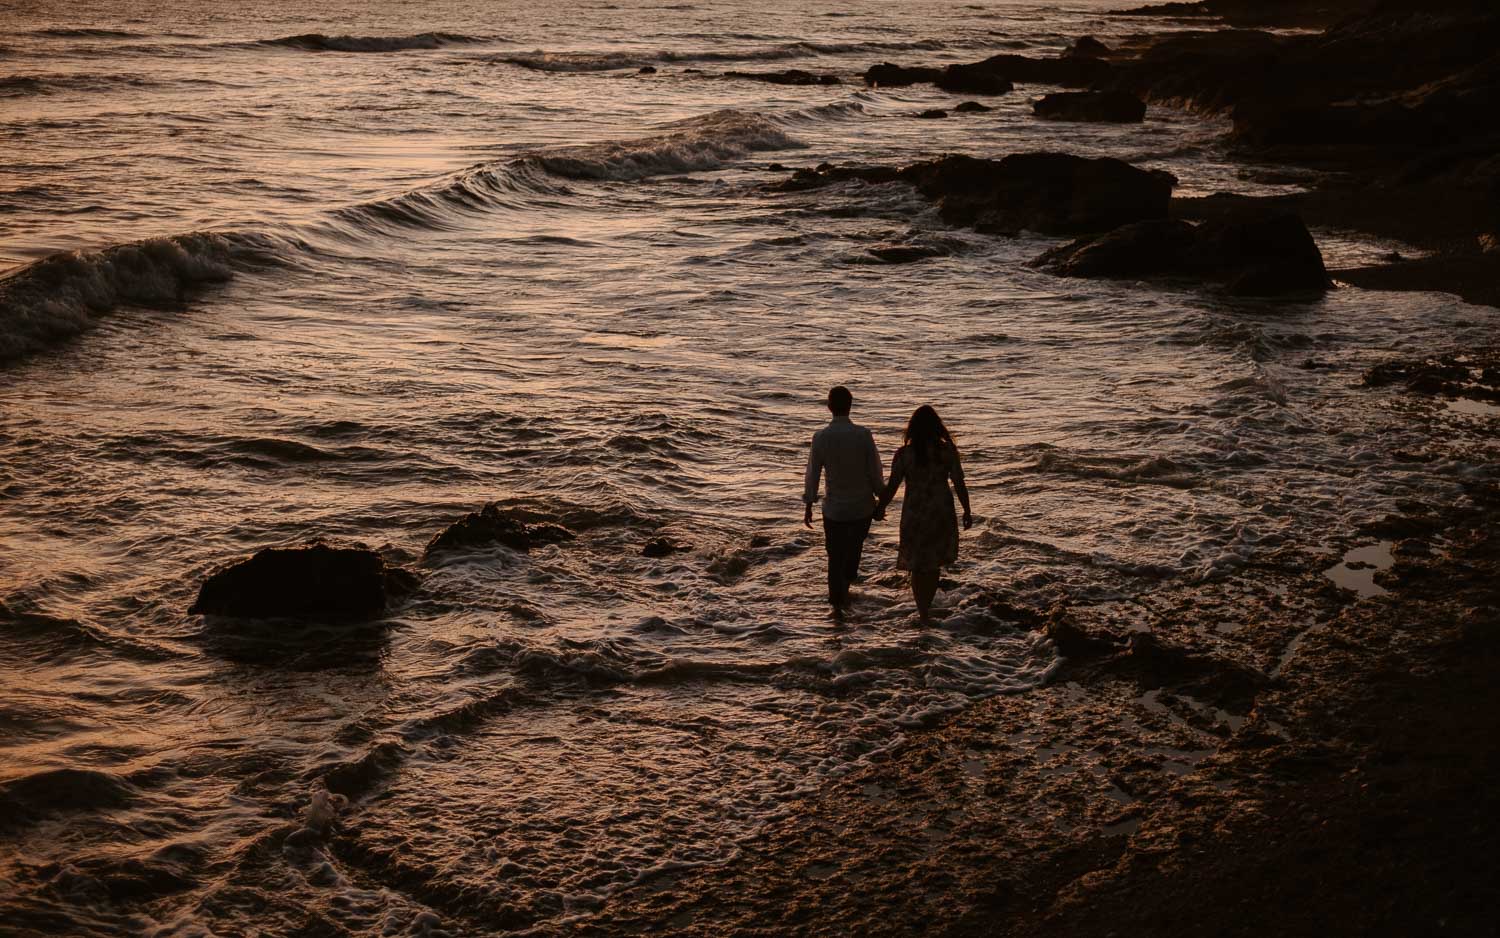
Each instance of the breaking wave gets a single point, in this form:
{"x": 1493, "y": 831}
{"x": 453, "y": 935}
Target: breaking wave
{"x": 542, "y": 61}
{"x": 692, "y": 145}
{"x": 321, "y": 42}
{"x": 70, "y": 32}
{"x": 59, "y": 296}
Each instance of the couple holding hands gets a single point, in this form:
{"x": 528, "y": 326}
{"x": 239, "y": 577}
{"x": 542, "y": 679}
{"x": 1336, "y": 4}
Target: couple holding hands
{"x": 855, "y": 492}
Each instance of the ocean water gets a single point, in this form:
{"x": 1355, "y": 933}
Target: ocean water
{"x": 352, "y": 270}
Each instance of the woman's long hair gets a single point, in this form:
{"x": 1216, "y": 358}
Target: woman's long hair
{"x": 925, "y": 433}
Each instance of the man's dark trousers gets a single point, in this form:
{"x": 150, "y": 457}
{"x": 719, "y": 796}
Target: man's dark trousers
{"x": 845, "y": 541}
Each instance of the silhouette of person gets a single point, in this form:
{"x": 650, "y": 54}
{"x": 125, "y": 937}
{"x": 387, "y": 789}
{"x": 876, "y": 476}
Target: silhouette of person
{"x": 926, "y": 462}
{"x": 845, "y": 454}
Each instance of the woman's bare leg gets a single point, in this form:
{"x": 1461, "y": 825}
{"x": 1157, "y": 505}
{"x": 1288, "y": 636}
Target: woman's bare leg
{"x": 924, "y": 584}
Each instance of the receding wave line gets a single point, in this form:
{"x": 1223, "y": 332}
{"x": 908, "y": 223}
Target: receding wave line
{"x": 72, "y": 32}
{"x": 610, "y": 61}
{"x": 19, "y": 86}
{"x": 59, "y": 296}
{"x": 319, "y": 42}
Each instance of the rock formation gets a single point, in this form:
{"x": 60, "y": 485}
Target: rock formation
{"x": 314, "y": 580}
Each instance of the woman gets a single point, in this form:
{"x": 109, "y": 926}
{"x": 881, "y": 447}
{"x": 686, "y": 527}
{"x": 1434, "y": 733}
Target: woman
{"x": 929, "y": 531}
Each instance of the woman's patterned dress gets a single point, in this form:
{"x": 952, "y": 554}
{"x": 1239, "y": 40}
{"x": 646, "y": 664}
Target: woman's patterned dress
{"x": 929, "y": 525}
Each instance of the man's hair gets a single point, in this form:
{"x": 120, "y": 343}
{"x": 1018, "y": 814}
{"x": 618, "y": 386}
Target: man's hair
{"x": 840, "y": 400}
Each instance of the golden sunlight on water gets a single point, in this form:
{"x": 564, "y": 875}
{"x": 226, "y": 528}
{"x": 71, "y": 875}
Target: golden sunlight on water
{"x": 352, "y": 274}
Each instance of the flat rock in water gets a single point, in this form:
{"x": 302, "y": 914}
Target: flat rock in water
{"x": 907, "y": 253}
{"x": 662, "y": 547}
{"x": 495, "y": 526}
{"x": 1068, "y": 71}
{"x": 1051, "y": 193}
{"x": 887, "y": 75}
{"x": 1250, "y": 255}
{"x": 311, "y": 581}
{"x": 1112, "y": 107}
{"x": 791, "y": 76}
{"x": 972, "y": 79}
{"x": 1044, "y": 192}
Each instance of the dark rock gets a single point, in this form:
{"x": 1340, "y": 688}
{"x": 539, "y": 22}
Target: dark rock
{"x": 1166, "y": 10}
{"x": 1141, "y": 249}
{"x": 888, "y": 75}
{"x": 791, "y": 76}
{"x": 1262, "y": 255}
{"x": 972, "y": 107}
{"x": 932, "y": 114}
{"x": 1117, "y": 107}
{"x": 647, "y": 70}
{"x": 1474, "y": 377}
{"x": 1051, "y": 193}
{"x": 777, "y": 168}
{"x": 662, "y": 547}
{"x": 547, "y": 533}
{"x": 826, "y": 174}
{"x": 907, "y": 253}
{"x": 1406, "y": 76}
{"x": 1218, "y": 680}
{"x": 972, "y": 79}
{"x": 1068, "y": 71}
{"x": 1250, "y": 255}
{"x": 1087, "y": 47}
{"x": 1071, "y": 641}
{"x": 491, "y": 526}
{"x": 1208, "y": 70}
{"x": 312, "y": 581}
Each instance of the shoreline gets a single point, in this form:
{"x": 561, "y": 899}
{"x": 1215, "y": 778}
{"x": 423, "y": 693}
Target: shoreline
{"x": 1270, "y": 753}
{"x": 1266, "y": 754}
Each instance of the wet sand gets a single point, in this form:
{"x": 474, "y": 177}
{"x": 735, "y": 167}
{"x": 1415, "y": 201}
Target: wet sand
{"x": 1267, "y": 755}
{"x": 1307, "y": 748}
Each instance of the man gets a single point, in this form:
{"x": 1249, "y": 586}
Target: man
{"x": 845, "y": 453}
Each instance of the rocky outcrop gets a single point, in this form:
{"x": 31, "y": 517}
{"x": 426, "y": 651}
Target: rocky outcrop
{"x": 1250, "y": 255}
{"x": 494, "y": 526}
{"x": 659, "y": 547}
{"x": 1051, "y": 193}
{"x": 1393, "y": 81}
{"x": 997, "y": 74}
{"x": 1222, "y": 681}
{"x": 1205, "y": 70}
{"x": 1043, "y": 192}
{"x": 888, "y": 75}
{"x": 315, "y": 581}
{"x": 791, "y": 76}
{"x": 1070, "y": 71}
{"x": 1253, "y": 12}
{"x": 1117, "y": 107}
{"x": 972, "y": 79}
{"x": 1087, "y": 47}
{"x": 1474, "y": 375}
{"x": 907, "y": 253}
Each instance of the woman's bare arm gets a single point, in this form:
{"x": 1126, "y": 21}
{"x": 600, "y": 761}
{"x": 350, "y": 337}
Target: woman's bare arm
{"x": 893, "y": 484}
{"x": 956, "y": 473}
